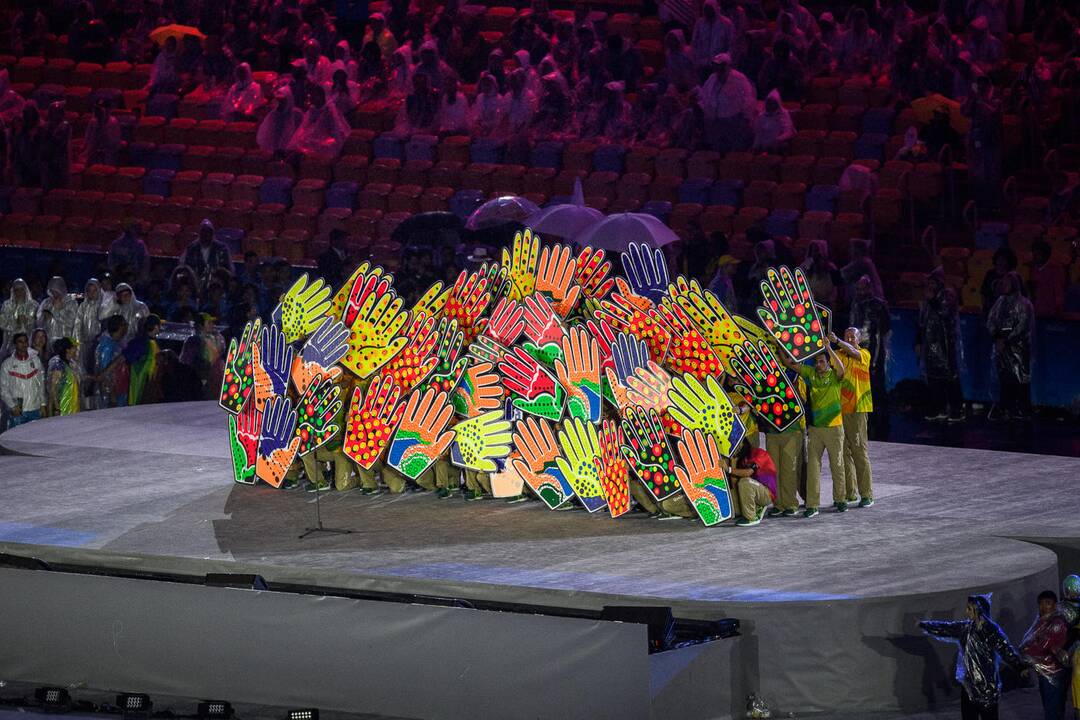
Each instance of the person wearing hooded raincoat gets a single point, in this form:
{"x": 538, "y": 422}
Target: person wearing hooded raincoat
{"x": 244, "y": 96}
{"x": 773, "y": 127}
{"x": 56, "y": 314}
{"x": 982, "y": 642}
{"x": 102, "y": 141}
{"x": 95, "y": 307}
{"x": 323, "y": 131}
{"x": 610, "y": 120}
{"x": 729, "y": 102}
{"x": 1010, "y": 325}
{"x": 18, "y": 314}
{"x": 937, "y": 343}
{"x": 400, "y": 70}
{"x": 1043, "y": 648}
{"x": 488, "y": 109}
{"x": 713, "y": 34}
{"x": 278, "y": 127}
{"x": 11, "y": 102}
{"x": 63, "y": 378}
{"x": 870, "y": 314}
{"x": 679, "y": 71}
{"x": 130, "y": 308}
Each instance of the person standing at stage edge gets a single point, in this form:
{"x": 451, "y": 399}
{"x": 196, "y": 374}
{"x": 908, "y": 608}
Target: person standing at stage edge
{"x": 825, "y": 429}
{"x": 1043, "y": 647}
{"x": 856, "y": 403}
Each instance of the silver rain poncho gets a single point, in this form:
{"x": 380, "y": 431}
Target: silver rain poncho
{"x": 88, "y": 317}
{"x": 57, "y": 311}
{"x": 18, "y": 314}
{"x": 133, "y": 312}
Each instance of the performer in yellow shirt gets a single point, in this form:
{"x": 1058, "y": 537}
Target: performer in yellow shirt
{"x": 856, "y": 402}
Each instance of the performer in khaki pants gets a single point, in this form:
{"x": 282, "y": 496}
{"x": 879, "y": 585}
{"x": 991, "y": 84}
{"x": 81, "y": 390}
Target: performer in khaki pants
{"x": 786, "y": 450}
{"x": 856, "y": 403}
{"x": 825, "y": 430}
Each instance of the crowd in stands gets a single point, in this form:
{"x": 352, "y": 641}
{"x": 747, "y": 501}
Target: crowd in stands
{"x": 881, "y": 108}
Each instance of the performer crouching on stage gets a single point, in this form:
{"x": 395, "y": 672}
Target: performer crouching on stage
{"x": 856, "y": 403}
{"x": 752, "y": 484}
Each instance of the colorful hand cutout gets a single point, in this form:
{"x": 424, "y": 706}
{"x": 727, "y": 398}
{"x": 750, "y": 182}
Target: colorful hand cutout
{"x": 592, "y": 273}
{"x": 432, "y": 302}
{"x": 761, "y": 380}
{"x": 555, "y": 278}
{"x": 302, "y": 308}
{"x": 521, "y": 261}
{"x": 544, "y": 330}
{"x": 369, "y": 426}
{"x": 536, "y": 391}
{"x": 703, "y": 478}
{"x": 580, "y": 446}
{"x": 278, "y": 442}
{"x": 315, "y": 413}
{"x": 374, "y": 334}
{"x": 647, "y": 451}
{"x": 417, "y": 359}
{"x": 612, "y": 469}
{"x": 689, "y": 351}
{"x": 420, "y": 440}
{"x": 469, "y": 299}
{"x": 506, "y": 323}
{"x": 579, "y": 374}
{"x": 320, "y": 354}
{"x": 272, "y": 361}
{"x": 244, "y": 431}
{"x": 790, "y": 313}
{"x": 238, "y": 383}
{"x": 626, "y": 313}
{"x": 365, "y": 281}
{"x": 535, "y": 441}
{"x": 712, "y": 319}
{"x": 480, "y": 441}
{"x": 449, "y": 368}
{"x": 478, "y": 391}
{"x": 706, "y": 407}
{"x": 647, "y": 271}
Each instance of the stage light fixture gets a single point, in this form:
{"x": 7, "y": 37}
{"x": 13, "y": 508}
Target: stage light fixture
{"x": 215, "y": 710}
{"x": 53, "y": 699}
{"x": 304, "y": 714}
{"x": 134, "y": 705}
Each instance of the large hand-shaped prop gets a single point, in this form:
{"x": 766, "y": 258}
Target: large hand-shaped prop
{"x": 272, "y": 360}
{"x": 498, "y": 280}
{"x": 320, "y": 354}
{"x": 481, "y": 440}
{"x": 244, "y": 431}
{"x": 521, "y": 261}
{"x": 543, "y": 330}
{"x": 302, "y": 308}
{"x": 592, "y": 273}
{"x": 506, "y": 323}
{"x": 417, "y": 359}
{"x": 580, "y": 375}
{"x": 580, "y": 446}
{"x": 703, "y": 479}
{"x": 432, "y": 302}
{"x": 689, "y": 351}
{"x": 420, "y": 440}
{"x": 761, "y": 380}
{"x": 626, "y": 313}
{"x": 555, "y": 278}
{"x": 478, "y": 391}
{"x": 368, "y": 426}
{"x": 605, "y": 337}
{"x": 238, "y": 383}
{"x": 612, "y": 469}
{"x": 647, "y": 271}
{"x": 364, "y": 282}
{"x": 315, "y": 413}
{"x": 705, "y": 310}
{"x": 468, "y": 300}
{"x": 627, "y": 355}
{"x": 448, "y": 370}
{"x": 706, "y": 407}
{"x": 278, "y": 442}
{"x": 484, "y": 349}
{"x": 374, "y": 338}
{"x": 648, "y": 453}
{"x": 535, "y": 441}
{"x": 535, "y": 390}
{"x": 790, "y": 313}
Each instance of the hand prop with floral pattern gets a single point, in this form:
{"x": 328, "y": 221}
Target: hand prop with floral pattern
{"x": 592, "y": 273}
{"x": 535, "y": 391}
{"x": 478, "y": 391}
{"x": 612, "y": 469}
{"x": 315, "y": 413}
{"x": 448, "y": 370}
{"x": 417, "y": 359}
{"x": 320, "y": 354}
{"x": 535, "y": 441}
{"x": 369, "y": 425}
{"x": 302, "y": 308}
{"x": 647, "y": 271}
{"x": 705, "y": 310}
{"x": 579, "y": 374}
{"x": 761, "y": 380}
{"x": 705, "y": 407}
{"x": 521, "y": 262}
{"x": 634, "y": 314}
{"x": 689, "y": 352}
{"x": 790, "y": 313}
{"x": 647, "y": 451}
{"x": 244, "y": 431}
{"x": 375, "y": 334}
{"x": 580, "y": 446}
{"x": 278, "y": 442}
{"x": 272, "y": 360}
{"x": 543, "y": 330}
{"x": 480, "y": 441}
{"x": 238, "y": 383}
{"x": 420, "y": 440}
{"x": 468, "y": 300}
{"x": 703, "y": 478}
{"x": 555, "y": 278}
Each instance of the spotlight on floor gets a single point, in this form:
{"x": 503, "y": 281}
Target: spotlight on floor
{"x": 305, "y": 714}
{"x": 134, "y": 705}
{"x": 53, "y": 699}
{"x": 215, "y": 710}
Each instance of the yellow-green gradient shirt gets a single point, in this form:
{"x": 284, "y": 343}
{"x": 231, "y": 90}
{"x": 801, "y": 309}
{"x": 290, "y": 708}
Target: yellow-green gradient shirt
{"x": 824, "y": 391}
{"x": 855, "y": 393}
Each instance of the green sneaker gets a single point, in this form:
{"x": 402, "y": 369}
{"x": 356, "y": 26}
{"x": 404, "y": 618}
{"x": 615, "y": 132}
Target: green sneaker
{"x": 442, "y": 493}
{"x": 516, "y": 499}
{"x": 774, "y": 512}
{"x": 840, "y": 507}
{"x": 667, "y": 516}
{"x": 318, "y": 487}
{"x": 370, "y": 491}
{"x": 788, "y": 513}
{"x": 471, "y": 495}
{"x": 866, "y": 502}
{"x": 744, "y": 522}
{"x": 852, "y": 499}
{"x": 810, "y": 512}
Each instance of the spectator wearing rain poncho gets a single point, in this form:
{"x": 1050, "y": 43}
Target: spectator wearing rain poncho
{"x": 679, "y": 71}
{"x": 130, "y": 308}
{"x": 713, "y": 34}
{"x": 937, "y": 343}
{"x": 314, "y": 63}
{"x": 420, "y": 112}
{"x": 729, "y": 102}
{"x": 453, "y": 109}
{"x": 553, "y": 113}
{"x": 773, "y": 128}
{"x": 520, "y": 104}
{"x": 323, "y": 131}
{"x": 244, "y": 96}
{"x": 343, "y": 93}
{"x": 11, "y": 102}
{"x": 343, "y": 60}
{"x": 278, "y": 127}
{"x": 400, "y": 70}
{"x": 95, "y": 307}
{"x": 1010, "y": 325}
{"x": 56, "y": 314}
{"x": 982, "y": 642}
{"x": 488, "y": 108}
{"x": 18, "y": 314}
{"x": 611, "y": 119}
{"x": 102, "y": 141}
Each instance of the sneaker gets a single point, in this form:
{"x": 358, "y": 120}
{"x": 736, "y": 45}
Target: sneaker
{"x": 866, "y": 502}
{"x": 471, "y": 495}
{"x": 840, "y": 507}
{"x": 744, "y": 522}
{"x": 788, "y": 513}
{"x": 443, "y": 493}
{"x": 318, "y": 487}
{"x": 852, "y": 499}
{"x": 370, "y": 491}
{"x": 776, "y": 512}
{"x": 516, "y": 499}
{"x": 667, "y": 516}
{"x": 810, "y": 512}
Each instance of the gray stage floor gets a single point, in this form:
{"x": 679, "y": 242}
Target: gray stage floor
{"x": 158, "y": 482}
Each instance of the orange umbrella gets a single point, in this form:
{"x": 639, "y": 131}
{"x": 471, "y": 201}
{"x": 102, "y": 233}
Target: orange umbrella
{"x": 163, "y": 33}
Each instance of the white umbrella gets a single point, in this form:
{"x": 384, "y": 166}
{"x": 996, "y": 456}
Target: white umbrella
{"x": 616, "y": 232}
{"x": 565, "y": 221}
{"x": 505, "y": 209}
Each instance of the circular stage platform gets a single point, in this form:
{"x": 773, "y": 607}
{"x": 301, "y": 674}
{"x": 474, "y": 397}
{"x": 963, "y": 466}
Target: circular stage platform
{"x": 829, "y": 604}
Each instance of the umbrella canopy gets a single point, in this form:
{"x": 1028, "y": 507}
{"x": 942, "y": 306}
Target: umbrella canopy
{"x": 616, "y": 232}
{"x": 163, "y": 33}
{"x": 424, "y": 228}
{"x": 501, "y": 210}
{"x": 565, "y": 221}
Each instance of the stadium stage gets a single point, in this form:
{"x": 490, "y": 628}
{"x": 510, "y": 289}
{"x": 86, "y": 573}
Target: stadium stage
{"x": 827, "y": 606}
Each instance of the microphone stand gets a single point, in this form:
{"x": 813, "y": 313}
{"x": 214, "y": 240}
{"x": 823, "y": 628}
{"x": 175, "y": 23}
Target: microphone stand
{"x": 319, "y": 527}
